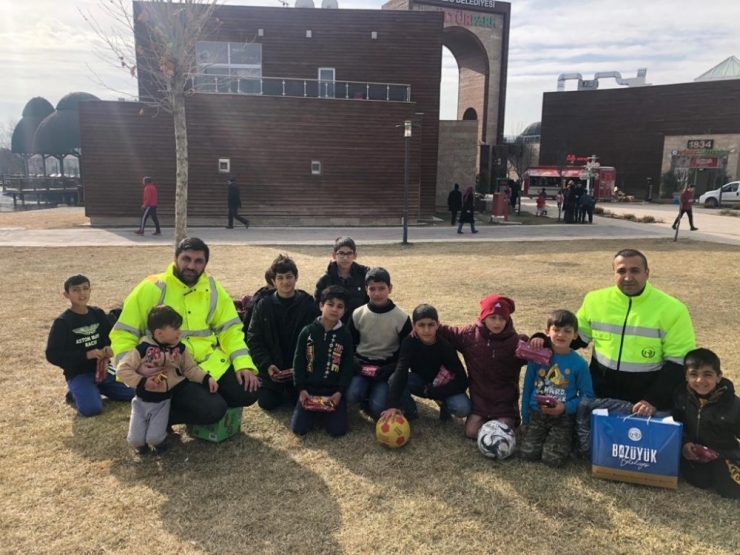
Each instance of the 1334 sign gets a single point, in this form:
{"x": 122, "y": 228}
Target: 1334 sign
{"x": 700, "y": 144}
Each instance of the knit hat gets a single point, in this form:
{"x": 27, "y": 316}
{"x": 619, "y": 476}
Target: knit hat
{"x": 232, "y": 180}
{"x": 496, "y": 304}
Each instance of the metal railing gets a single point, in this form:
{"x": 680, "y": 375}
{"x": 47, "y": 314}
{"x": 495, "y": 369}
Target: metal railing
{"x": 302, "y": 88}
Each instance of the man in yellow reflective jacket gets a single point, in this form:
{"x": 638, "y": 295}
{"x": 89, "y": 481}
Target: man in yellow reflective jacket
{"x": 211, "y": 331}
{"x": 640, "y": 336}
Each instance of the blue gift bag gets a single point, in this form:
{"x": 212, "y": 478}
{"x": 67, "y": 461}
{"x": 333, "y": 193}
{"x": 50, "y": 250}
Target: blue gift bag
{"x": 635, "y": 449}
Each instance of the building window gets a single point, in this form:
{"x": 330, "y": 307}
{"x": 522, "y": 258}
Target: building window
{"x": 229, "y": 67}
{"x": 327, "y": 78}
{"x": 315, "y": 168}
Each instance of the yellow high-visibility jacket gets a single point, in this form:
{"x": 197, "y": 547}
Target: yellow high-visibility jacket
{"x": 211, "y": 328}
{"x": 638, "y": 343}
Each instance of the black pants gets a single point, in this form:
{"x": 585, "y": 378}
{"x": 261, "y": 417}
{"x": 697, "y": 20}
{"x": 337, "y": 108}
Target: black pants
{"x": 233, "y": 215}
{"x": 233, "y": 392}
{"x": 271, "y": 396}
{"x": 590, "y": 213}
{"x": 454, "y": 217}
{"x": 192, "y": 403}
{"x": 681, "y": 212}
{"x": 149, "y": 211}
{"x": 721, "y": 475}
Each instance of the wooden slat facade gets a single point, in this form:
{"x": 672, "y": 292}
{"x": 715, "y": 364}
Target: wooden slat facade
{"x": 626, "y": 127}
{"x": 271, "y": 140}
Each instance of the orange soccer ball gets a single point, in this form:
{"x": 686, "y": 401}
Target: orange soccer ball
{"x": 394, "y": 432}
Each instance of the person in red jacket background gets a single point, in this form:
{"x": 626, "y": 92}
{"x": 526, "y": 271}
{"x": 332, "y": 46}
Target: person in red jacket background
{"x": 687, "y": 200}
{"x": 149, "y": 207}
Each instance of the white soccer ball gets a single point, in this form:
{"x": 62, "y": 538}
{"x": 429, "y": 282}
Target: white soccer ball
{"x": 496, "y": 440}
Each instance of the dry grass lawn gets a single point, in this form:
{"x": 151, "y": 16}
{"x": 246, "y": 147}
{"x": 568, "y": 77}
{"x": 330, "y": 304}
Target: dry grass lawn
{"x": 45, "y": 218}
{"x": 72, "y": 486}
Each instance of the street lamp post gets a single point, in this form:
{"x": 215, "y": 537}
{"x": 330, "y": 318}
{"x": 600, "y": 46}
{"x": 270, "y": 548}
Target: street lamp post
{"x": 407, "y": 125}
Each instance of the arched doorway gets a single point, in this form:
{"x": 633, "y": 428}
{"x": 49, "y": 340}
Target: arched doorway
{"x": 470, "y": 115}
{"x": 472, "y": 62}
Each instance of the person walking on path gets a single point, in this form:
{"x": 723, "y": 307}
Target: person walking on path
{"x": 454, "y": 203}
{"x": 686, "y": 202}
{"x": 468, "y": 209}
{"x": 235, "y": 203}
{"x": 149, "y": 207}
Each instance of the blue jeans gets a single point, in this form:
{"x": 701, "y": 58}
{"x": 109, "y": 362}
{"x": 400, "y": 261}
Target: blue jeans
{"x": 86, "y": 393}
{"x": 335, "y": 422}
{"x": 457, "y": 405}
{"x": 363, "y": 389}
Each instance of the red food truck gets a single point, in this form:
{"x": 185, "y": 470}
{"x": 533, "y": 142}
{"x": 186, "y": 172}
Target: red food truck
{"x": 553, "y": 178}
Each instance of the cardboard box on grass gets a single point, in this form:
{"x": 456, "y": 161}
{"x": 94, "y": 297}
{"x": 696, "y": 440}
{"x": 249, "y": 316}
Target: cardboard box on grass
{"x": 228, "y": 426}
{"x": 634, "y": 449}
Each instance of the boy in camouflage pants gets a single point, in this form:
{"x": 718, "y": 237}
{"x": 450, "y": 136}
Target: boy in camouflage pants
{"x": 552, "y": 393}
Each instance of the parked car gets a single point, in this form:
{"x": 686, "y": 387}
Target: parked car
{"x": 730, "y": 195}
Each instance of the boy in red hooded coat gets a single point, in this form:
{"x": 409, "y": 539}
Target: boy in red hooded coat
{"x": 489, "y": 348}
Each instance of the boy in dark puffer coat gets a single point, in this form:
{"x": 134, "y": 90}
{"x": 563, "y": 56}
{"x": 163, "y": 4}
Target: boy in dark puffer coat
{"x": 710, "y": 412}
{"x": 345, "y": 272}
{"x": 489, "y": 348}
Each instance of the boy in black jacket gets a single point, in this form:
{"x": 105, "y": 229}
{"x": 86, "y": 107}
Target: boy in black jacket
{"x": 345, "y": 272}
{"x": 435, "y": 370}
{"x": 272, "y": 335}
{"x": 79, "y": 344}
{"x": 324, "y": 365}
{"x": 710, "y": 413}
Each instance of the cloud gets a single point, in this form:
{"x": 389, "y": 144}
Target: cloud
{"x": 49, "y": 50}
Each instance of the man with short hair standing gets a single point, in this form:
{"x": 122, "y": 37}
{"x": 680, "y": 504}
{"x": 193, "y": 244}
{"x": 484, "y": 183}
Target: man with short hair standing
{"x": 454, "y": 203}
{"x": 640, "y": 336}
{"x": 211, "y": 331}
{"x": 149, "y": 207}
{"x": 235, "y": 203}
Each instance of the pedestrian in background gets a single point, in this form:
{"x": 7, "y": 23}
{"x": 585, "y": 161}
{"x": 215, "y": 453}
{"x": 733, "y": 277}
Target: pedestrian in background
{"x": 685, "y": 207}
{"x": 468, "y": 208}
{"x": 149, "y": 207}
{"x": 235, "y": 203}
{"x": 454, "y": 203}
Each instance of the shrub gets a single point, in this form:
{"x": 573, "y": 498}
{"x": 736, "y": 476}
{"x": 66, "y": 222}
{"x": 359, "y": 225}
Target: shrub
{"x": 599, "y": 211}
{"x": 646, "y": 219}
{"x": 728, "y": 212}
{"x": 630, "y": 217}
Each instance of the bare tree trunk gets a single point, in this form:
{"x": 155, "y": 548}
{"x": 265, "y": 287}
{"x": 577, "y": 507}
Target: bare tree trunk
{"x": 181, "y": 157}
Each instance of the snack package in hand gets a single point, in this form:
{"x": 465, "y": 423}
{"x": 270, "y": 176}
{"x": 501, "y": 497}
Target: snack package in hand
{"x": 443, "y": 377}
{"x": 705, "y": 454}
{"x": 283, "y": 374}
{"x": 368, "y": 370}
{"x": 540, "y": 356}
{"x": 318, "y": 403}
{"x": 101, "y": 370}
{"x": 546, "y": 401}
{"x": 160, "y": 377}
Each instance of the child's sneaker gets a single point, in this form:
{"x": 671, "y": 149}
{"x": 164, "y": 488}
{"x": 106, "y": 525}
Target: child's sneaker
{"x": 143, "y": 450}
{"x": 444, "y": 414}
{"x": 157, "y": 233}
{"x": 161, "y": 448}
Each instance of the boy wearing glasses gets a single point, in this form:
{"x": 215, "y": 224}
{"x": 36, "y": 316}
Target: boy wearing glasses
{"x": 345, "y": 272}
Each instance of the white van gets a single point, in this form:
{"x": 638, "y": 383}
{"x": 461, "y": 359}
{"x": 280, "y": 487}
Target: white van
{"x": 730, "y": 196}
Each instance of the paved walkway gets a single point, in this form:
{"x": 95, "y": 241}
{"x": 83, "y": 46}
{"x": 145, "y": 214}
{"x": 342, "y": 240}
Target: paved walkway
{"x": 713, "y": 228}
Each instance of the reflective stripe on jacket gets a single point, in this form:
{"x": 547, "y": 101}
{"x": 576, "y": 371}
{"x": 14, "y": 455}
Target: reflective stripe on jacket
{"x": 635, "y": 334}
{"x": 211, "y": 328}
